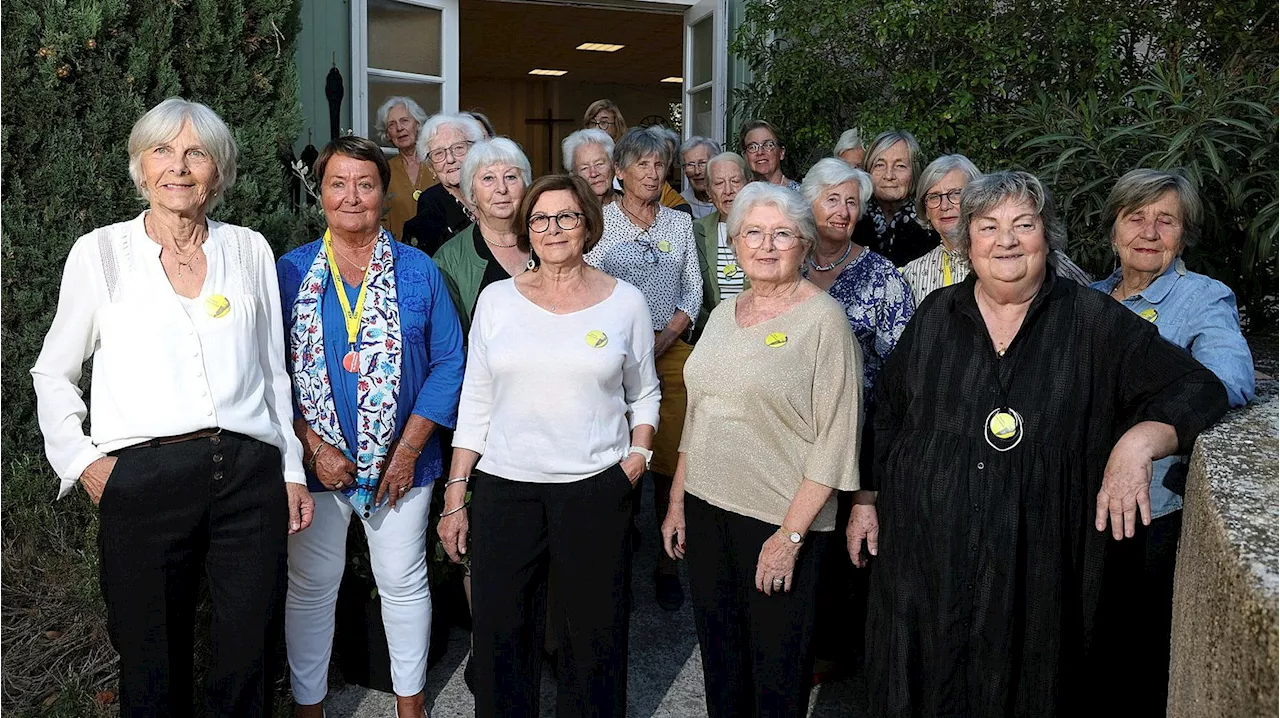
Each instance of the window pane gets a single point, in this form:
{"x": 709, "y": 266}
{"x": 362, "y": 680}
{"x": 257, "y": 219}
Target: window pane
{"x": 380, "y": 89}
{"x": 703, "y": 116}
{"x": 404, "y": 37}
{"x": 703, "y": 51}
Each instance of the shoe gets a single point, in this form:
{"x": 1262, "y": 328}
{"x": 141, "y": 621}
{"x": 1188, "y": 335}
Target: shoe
{"x": 669, "y": 592}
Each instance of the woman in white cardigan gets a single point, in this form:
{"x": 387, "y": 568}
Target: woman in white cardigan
{"x": 558, "y": 411}
{"x": 191, "y": 459}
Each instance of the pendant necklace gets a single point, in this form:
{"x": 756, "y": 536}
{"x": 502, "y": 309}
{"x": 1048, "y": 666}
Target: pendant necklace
{"x": 343, "y": 255}
{"x": 1003, "y": 428}
{"x": 351, "y": 315}
{"x": 828, "y": 267}
{"x": 187, "y": 261}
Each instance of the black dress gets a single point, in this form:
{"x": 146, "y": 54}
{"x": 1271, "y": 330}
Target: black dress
{"x": 439, "y": 217}
{"x": 985, "y": 589}
{"x": 901, "y": 242}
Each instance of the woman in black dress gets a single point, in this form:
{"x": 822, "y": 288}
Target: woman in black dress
{"x": 1018, "y": 416}
{"x": 443, "y": 210}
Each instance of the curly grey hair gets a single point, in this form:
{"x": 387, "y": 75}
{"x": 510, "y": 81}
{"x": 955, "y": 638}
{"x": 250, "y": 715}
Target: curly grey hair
{"x": 577, "y": 140}
{"x": 487, "y": 153}
{"x": 829, "y": 172}
{"x": 787, "y": 201}
{"x": 466, "y": 124}
{"x": 988, "y": 191}
{"x": 413, "y": 108}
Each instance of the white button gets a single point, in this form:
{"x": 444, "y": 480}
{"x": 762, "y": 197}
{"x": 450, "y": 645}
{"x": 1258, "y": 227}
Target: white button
{"x": 208, "y": 413}
{"x": 981, "y": 465}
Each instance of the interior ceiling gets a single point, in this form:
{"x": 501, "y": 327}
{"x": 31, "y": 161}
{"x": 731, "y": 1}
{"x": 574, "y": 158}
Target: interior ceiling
{"x": 508, "y": 39}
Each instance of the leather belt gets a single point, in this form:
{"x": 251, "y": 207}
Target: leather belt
{"x": 163, "y": 440}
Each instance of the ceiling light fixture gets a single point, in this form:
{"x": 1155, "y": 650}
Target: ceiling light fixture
{"x": 549, "y": 73}
{"x": 672, "y": 79}
{"x": 599, "y": 47}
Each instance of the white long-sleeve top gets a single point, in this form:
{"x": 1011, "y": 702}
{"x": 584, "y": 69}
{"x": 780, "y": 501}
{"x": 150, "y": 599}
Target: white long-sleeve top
{"x": 162, "y": 365}
{"x": 552, "y": 398}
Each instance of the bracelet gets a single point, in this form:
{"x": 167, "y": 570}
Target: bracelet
{"x": 310, "y": 464}
{"x": 456, "y": 480}
{"x": 405, "y": 443}
{"x": 453, "y": 511}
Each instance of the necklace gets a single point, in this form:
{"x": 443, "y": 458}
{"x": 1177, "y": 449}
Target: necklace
{"x": 343, "y": 255}
{"x": 643, "y": 225}
{"x": 828, "y": 267}
{"x": 189, "y": 260}
{"x": 495, "y": 244}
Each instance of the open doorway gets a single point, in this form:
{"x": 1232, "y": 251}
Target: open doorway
{"x": 500, "y": 42}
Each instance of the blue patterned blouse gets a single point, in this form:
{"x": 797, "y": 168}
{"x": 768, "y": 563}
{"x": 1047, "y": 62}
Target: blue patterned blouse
{"x": 878, "y": 303}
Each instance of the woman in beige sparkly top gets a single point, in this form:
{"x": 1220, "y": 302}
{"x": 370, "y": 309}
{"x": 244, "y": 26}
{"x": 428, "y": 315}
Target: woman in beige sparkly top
{"x": 771, "y": 434}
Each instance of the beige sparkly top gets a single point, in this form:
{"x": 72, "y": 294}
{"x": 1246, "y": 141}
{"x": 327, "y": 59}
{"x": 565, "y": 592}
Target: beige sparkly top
{"x": 771, "y": 405}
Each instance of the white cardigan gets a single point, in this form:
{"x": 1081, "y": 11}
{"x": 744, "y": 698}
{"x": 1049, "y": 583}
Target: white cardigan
{"x": 162, "y": 365}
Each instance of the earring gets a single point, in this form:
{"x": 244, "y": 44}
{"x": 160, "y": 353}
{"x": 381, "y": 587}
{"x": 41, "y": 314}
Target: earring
{"x": 531, "y": 265}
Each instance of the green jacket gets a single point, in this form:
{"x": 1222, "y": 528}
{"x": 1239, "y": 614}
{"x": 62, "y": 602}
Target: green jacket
{"x": 463, "y": 269}
{"x": 706, "y": 233}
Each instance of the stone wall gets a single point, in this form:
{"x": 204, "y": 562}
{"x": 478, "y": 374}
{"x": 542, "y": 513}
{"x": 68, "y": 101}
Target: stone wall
{"x": 1225, "y": 660}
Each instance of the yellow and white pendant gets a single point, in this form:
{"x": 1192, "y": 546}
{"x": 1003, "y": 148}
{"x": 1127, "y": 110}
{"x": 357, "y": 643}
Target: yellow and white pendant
{"x": 1003, "y": 429}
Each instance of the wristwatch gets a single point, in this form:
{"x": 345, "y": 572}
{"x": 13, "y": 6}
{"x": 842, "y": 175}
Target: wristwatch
{"x": 647, "y": 454}
{"x": 792, "y": 536}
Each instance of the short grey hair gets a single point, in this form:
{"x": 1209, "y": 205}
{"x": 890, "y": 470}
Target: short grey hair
{"x": 787, "y": 201}
{"x": 638, "y": 143}
{"x": 849, "y": 140}
{"x": 732, "y": 158}
{"x": 713, "y": 148}
{"x": 413, "y": 108}
{"x": 884, "y": 141}
{"x": 163, "y": 122}
{"x": 1139, "y": 188}
{"x": 466, "y": 124}
{"x": 933, "y": 174}
{"x": 577, "y": 140}
{"x": 829, "y": 172}
{"x": 984, "y": 193}
{"x": 485, "y": 153}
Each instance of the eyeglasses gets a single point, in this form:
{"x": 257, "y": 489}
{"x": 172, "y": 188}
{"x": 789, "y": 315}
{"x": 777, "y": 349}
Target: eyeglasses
{"x": 646, "y": 243}
{"x": 695, "y": 166}
{"x": 565, "y": 221}
{"x": 766, "y": 146}
{"x": 600, "y": 167}
{"x": 782, "y": 238}
{"x": 457, "y": 151}
{"x": 933, "y": 200}
{"x": 600, "y": 124}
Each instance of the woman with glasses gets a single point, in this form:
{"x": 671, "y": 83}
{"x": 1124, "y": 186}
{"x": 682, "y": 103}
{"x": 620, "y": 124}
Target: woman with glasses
{"x": 652, "y": 248}
{"x": 765, "y": 153}
{"x": 443, "y": 209}
{"x": 589, "y": 154}
{"x": 775, "y": 388}
{"x": 722, "y": 278}
{"x": 605, "y": 116}
{"x": 888, "y": 226}
{"x": 695, "y": 154}
{"x": 558, "y": 411}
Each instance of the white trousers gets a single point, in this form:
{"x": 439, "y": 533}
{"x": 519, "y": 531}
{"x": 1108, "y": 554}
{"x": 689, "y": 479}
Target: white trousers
{"x": 398, "y": 554}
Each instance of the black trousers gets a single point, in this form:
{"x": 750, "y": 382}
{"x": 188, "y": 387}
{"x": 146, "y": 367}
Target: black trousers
{"x": 757, "y": 653}
{"x": 523, "y": 533}
{"x": 215, "y": 505}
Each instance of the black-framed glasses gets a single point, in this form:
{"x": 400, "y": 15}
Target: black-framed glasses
{"x": 601, "y": 124}
{"x": 933, "y": 200}
{"x": 565, "y": 221}
{"x": 766, "y": 146}
{"x": 458, "y": 150}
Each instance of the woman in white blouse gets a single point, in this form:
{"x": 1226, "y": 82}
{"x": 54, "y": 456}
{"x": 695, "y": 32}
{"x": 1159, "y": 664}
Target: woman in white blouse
{"x": 652, "y": 248}
{"x": 559, "y": 407}
{"x": 191, "y": 457}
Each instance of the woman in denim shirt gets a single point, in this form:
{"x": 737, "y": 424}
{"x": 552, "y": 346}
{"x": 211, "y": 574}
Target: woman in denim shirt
{"x": 1155, "y": 215}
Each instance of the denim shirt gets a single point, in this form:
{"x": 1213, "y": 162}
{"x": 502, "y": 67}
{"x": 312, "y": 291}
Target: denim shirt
{"x": 1198, "y": 314}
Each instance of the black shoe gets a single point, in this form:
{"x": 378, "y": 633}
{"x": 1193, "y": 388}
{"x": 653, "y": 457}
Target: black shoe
{"x": 469, "y": 674}
{"x": 669, "y": 592}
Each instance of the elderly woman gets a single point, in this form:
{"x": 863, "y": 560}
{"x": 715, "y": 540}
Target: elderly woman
{"x": 189, "y": 461}
{"x": 605, "y": 116}
{"x": 670, "y": 197}
{"x": 1018, "y": 416}
{"x": 765, "y": 153}
{"x": 722, "y": 278}
{"x": 888, "y": 226}
{"x": 1155, "y": 215}
{"x": 589, "y": 155}
{"x": 849, "y": 148}
{"x": 398, "y": 122}
{"x": 777, "y": 370}
{"x": 652, "y": 248}
{"x": 494, "y": 178}
{"x": 938, "y": 191}
{"x": 376, "y": 359}
{"x": 695, "y": 153}
{"x": 443, "y": 210}
{"x": 559, "y": 407}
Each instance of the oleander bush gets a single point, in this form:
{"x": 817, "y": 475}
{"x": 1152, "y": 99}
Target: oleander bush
{"x": 76, "y": 76}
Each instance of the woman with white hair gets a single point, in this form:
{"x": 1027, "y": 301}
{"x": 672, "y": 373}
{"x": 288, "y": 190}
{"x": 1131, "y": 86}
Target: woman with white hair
{"x": 849, "y": 148}
{"x": 695, "y": 153}
{"x": 888, "y": 225}
{"x": 443, "y": 210}
{"x": 494, "y": 178}
{"x": 589, "y": 154}
{"x": 191, "y": 457}
{"x": 398, "y": 122}
{"x": 727, "y": 174}
{"x": 771, "y": 435}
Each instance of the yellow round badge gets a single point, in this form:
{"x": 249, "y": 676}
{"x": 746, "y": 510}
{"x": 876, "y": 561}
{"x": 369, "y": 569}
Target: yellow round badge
{"x": 596, "y": 339}
{"x": 775, "y": 340}
{"x": 664, "y": 246}
{"x": 730, "y": 270}
{"x": 217, "y": 306}
{"x": 416, "y": 193}
{"x": 1003, "y": 425}
{"x": 1150, "y": 314}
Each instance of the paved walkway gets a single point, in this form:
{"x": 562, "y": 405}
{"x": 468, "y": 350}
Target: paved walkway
{"x": 664, "y": 676}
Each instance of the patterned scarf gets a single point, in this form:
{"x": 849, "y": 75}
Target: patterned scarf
{"x": 379, "y": 346}
{"x": 907, "y": 213}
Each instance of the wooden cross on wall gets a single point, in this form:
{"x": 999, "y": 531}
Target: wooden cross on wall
{"x": 550, "y": 121}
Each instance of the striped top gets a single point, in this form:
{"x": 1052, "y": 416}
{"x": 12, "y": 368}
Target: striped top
{"x": 728, "y": 274}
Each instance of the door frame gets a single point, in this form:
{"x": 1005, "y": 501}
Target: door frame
{"x": 717, "y": 10}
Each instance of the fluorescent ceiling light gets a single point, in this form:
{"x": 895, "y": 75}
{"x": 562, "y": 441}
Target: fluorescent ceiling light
{"x": 549, "y": 73}
{"x": 600, "y": 47}
{"x": 672, "y": 79}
